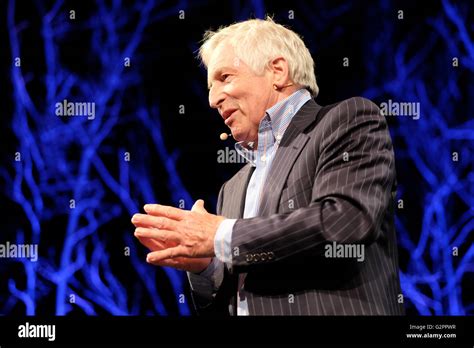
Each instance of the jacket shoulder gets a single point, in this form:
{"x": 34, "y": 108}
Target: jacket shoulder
{"x": 353, "y": 106}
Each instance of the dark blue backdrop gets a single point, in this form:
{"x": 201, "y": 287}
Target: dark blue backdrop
{"x": 71, "y": 184}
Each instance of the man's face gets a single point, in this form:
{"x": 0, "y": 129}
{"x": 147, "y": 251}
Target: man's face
{"x": 240, "y": 95}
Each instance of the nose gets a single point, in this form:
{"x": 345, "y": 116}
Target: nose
{"x": 216, "y": 97}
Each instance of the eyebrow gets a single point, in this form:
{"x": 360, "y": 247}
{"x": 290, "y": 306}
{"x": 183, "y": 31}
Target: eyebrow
{"x": 218, "y": 72}
{"x": 213, "y": 75}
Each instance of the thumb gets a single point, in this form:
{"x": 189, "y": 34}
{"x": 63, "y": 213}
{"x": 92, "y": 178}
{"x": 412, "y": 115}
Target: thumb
{"x": 198, "y": 207}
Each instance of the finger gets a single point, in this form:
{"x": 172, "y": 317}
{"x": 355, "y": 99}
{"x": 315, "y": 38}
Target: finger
{"x": 198, "y": 207}
{"x": 152, "y": 244}
{"x": 144, "y": 220}
{"x": 169, "y": 253}
{"x": 165, "y": 210}
{"x": 162, "y": 235}
{"x": 169, "y": 263}
{"x": 155, "y": 243}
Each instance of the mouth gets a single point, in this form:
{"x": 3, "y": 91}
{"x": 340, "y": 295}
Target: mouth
{"x": 229, "y": 118}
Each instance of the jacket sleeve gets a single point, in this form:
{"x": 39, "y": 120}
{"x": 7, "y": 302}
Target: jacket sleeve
{"x": 350, "y": 194}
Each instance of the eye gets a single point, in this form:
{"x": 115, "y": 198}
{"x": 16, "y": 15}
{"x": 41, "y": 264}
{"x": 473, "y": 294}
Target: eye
{"x": 224, "y": 77}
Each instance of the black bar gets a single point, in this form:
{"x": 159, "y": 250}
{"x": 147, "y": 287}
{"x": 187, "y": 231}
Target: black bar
{"x": 249, "y": 330}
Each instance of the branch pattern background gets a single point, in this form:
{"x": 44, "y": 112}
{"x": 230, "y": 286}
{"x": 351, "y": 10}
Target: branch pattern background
{"x": 82, "y": 249}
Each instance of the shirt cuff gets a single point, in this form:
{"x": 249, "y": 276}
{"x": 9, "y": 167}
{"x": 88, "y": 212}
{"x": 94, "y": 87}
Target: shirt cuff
{"x": 208, "y": 272}
{"x": 208, "y": 280}
{"x": 223, "y": 239}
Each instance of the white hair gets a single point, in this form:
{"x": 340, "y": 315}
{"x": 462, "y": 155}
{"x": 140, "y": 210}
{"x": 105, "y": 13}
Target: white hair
{"x": 257, "y": 42}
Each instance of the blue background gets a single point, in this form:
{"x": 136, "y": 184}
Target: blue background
{"x": 173, "y": 155}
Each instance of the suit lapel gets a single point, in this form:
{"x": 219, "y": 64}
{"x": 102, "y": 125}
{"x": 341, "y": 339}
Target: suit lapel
{"x": 234, "y": 198}
{"x": 292, "y": 143}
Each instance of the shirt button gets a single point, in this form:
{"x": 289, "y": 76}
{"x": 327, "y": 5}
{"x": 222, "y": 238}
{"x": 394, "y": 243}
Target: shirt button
{"x": 263, "y": 158}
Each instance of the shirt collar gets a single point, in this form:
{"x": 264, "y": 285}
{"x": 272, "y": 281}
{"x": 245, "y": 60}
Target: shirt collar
{"x": 283, "y": 112}
{"x": 279, "y": 117}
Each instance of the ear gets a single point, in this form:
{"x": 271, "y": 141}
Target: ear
{"x": 279, "y": 68}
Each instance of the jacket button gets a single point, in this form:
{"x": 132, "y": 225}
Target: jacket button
{"x": 263, "y": 256}
{"x": 256, "y": 257}
{"x": 249, "y": 257}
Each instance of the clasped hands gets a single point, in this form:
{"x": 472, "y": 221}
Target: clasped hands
{"x": 183, "y": 239}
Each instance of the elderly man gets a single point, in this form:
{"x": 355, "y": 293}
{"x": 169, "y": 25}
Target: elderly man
{"x": 306, "y": 227}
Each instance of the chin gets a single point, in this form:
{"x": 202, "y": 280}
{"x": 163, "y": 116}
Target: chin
{"x": 241, "y": 135}
{"x": 236, "y": 134}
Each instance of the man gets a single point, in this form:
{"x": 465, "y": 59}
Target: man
{"x": 305, "y": 228}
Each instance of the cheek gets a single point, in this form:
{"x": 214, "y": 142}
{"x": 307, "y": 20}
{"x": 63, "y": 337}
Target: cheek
{"x": 251, "y": 97}
{"x": 257, "y": 108}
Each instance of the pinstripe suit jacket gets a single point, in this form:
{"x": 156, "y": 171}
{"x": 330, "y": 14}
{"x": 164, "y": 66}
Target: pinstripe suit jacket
{"x": 332, "y": 180}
